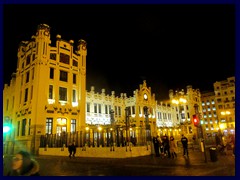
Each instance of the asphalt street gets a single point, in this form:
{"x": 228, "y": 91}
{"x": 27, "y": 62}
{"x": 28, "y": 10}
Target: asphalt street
{"x": 194, "y": 165}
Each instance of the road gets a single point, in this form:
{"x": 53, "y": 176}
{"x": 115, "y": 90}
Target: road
{"x": 194, "y": 165}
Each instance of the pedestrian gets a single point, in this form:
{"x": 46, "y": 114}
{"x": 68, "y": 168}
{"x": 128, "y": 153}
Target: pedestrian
{"x": 173, "y": 147}
{"x": 232, "y": 143}
{"x": 24, "y": 165}
{"x": 156, "y": 145}
{"x": 72, "y": 150}
{"x": 184, "y": 141}
{"x": 218, "y": 140}
{"x": 166, "y": 146}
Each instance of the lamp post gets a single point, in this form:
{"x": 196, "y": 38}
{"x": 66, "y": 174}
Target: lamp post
{"x": 200, "y": 132}
{"x": 111, "y": 129}
{"x": 127, "y": 112}
{"x": 147, "y": 125}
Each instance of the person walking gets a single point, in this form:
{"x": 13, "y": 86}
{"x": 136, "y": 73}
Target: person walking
{"x": 184, "y": 141}
{"x": 173, "y": 147}
{"x": 166, "y": 146}
{"x": 72, "y": 150}
{"x": 24, "y": 165}
{"x": 156, "y": 145}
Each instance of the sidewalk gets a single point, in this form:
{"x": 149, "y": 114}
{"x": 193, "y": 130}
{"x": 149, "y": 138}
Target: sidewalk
{"x": 196, "y": 158}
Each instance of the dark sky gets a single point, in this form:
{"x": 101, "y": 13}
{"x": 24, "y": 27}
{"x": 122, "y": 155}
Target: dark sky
{"x": 169, "y": 46}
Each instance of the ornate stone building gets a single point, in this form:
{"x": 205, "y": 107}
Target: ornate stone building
{"x": 47, "y": 91}
{"x": 47, "y": 96}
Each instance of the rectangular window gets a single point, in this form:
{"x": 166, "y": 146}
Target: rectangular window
{"x": 32, "y": 73}
{"x": 53, "y": 56}
{"x": 99, "y": 108}
{"x": 119, "y": 110}
{"x": 73, "y": 125}
{"x": 74, "y": 96}
{"x": 95, "y": 108}
{"x": 160, "y": 115}
{"x": 33, "y": 57}
{"x": 24, "y": 122}
{"x": 49, "y": 125}
{"x": 50, "y": 96}
{"x": 116, "y": 113}
{"x": 51, "y": 73}
{"x": 62, "y": 94}
{"x": 29, "y": 126}
{"x": 133, "y": 109}
{"x": 18, "y": 128}
{"x": 28, "y": 60}
{"x": 88, "y": 107}
{"x": 74, "y": 78}
{"x": 75, "y": 63}
{"x": 31, "y": 92}
{"x": 106, "y": 109}
{"x": 26, "y": 95}
{"x": 109, "y": 109}
{"x": 27, "y": 77}
{"x": 63, "y": 76}
{"x": 64, "y": 58}
{"x": 183, "y": 115}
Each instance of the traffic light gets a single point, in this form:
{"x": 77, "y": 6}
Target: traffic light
{"x": 196, "y": 120}
{"x": 6, "y": 128}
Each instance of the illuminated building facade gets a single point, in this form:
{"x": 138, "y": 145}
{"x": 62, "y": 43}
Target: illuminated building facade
{"x": 225, "y": 102}
{"x": 186, "y": 104}
{"x": 210, "y": 119}
{"x": 47, "y": 93}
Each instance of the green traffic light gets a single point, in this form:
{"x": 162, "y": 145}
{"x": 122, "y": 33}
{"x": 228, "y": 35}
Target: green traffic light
{"x": 6, "y": 129}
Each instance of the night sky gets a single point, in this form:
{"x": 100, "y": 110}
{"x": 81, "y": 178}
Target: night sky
{"x": 169, "y": 46}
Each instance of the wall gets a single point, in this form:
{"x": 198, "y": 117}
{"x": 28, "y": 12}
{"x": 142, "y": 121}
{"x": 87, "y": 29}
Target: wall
{"x": 102, "y": 152}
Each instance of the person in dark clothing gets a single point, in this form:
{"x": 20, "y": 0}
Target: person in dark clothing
{"x": 24, "y": 165}
{"x": 184, "y": 141}
{"x": 156, "y": 145}
{"x": 166, "y": 146}
{"x": 218, "y": 140}
{"x": 72, "y": 150}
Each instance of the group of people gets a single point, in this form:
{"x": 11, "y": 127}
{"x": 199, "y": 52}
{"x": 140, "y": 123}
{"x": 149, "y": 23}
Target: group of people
{"x": 165, "y": 147}
{"x": 223, "y": 141}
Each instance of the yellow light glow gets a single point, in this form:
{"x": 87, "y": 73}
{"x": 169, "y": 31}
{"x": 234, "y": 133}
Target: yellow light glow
{"x": 225, "y": 113}
{"x": 182, "y": 100}
{"x": 87, "y": 128}
{"x": 130, "y": 129}
{"x": 111, "y": 129}
{"x": 99, "y": 128}
{"x": 221, "y": 126}
{"x": 174, "y": 101}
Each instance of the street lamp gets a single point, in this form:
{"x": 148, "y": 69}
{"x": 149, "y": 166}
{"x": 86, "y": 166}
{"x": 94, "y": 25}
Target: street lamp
{"x": 127, "y": 112}
{"x": 147, "y": 125}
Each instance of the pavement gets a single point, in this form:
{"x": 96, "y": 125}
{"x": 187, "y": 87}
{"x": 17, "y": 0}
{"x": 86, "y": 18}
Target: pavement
{"x": 197, "y": 164}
